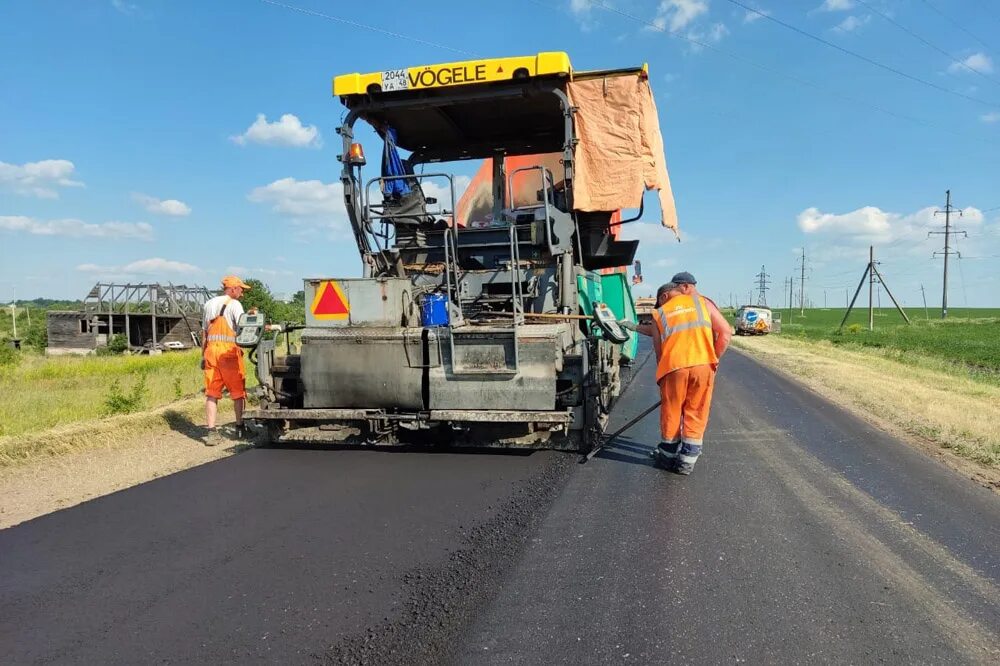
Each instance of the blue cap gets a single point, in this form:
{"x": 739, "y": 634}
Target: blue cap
{"x": 683, "y": 278}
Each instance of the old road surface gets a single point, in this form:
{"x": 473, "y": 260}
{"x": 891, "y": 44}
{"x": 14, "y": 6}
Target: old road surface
{"x": 804, "y": 536}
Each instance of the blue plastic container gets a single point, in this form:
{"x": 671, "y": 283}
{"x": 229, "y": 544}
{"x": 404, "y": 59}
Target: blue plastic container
{"x": 434, "y": 310}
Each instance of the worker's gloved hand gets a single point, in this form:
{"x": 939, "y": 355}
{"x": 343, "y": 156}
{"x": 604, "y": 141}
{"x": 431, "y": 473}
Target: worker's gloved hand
{"x": 202, "y": 362}
{"x": 630, "y": 325}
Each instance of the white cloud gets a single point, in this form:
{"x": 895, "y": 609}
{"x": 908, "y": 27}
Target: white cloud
{"x": 582, "y": 11}
{"x": 979, "y": 62}
{"x": 991, "y": 117}
{"x": 753, "y": 17}
{"x": 126, "y": 8}
{"x": 286, "y": 131}
{"x": 38, "y": 179}
{"x": 836, "y": 5}
{"x": 302, "y": 198}
{"x": 439, "y": 190}
{"x": 258, "y": 272}
{"x": 717, "y": 32}
{"x": 151, "y": 266}
{"x": 679, "y": 14}
{"x": 872, "y": 225}
{"x": 852, "y": 23}
{"x": 76, "y": 228}
{"x": 171, "y": 207}
{"x": 647, "y": 233}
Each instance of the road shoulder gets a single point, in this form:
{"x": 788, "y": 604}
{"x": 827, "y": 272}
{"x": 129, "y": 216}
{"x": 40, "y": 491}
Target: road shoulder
{"x": 52, "y": 482}
{"x": 955, "y": 420}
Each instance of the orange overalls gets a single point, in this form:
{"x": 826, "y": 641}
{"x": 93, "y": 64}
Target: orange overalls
{"x": 685, "y": 372}
{"x": 223, "y": 359}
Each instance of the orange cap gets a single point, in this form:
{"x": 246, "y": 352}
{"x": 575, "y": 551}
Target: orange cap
{"x": 233, "y": 281}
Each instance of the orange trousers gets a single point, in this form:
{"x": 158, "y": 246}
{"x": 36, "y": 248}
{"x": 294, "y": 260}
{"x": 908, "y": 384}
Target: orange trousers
{"x": 686, "y": 398}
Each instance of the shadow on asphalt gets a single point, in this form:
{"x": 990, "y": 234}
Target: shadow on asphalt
{"x": 626, "y": 450}
{"x": 402, "y": 448}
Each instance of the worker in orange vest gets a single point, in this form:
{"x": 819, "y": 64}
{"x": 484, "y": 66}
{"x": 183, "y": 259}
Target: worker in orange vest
{"x": 222, "y": 359}
{"x": 690, "y": 335}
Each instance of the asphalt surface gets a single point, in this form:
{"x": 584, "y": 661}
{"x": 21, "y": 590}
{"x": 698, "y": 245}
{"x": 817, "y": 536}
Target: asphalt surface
{"x": 804, "y": 535}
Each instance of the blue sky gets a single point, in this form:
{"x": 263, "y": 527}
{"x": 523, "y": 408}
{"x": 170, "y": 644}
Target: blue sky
{"x": 178, "y": 140}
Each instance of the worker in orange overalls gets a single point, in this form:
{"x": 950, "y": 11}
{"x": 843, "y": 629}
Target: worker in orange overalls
{"x": 690, "y": 335}
{"x": 222, "y": 359}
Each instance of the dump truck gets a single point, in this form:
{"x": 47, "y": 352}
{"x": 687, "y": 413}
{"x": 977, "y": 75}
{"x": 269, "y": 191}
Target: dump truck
{"x": 494, "y": 332}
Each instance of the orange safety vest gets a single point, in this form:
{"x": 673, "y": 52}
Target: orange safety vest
{"x": 684, "y": 336}
{"x": 220, "y": 339}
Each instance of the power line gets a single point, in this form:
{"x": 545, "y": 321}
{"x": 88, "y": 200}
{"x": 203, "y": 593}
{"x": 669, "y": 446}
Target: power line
{"x": 864, "y": 58}
{"x": 940, "y": 50}
{"x": 371, "y": 28}
{"x": 956, "y": 24}
{"x": 764, "y": 68}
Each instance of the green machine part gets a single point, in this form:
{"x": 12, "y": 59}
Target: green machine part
{"x": 614, "y": 291}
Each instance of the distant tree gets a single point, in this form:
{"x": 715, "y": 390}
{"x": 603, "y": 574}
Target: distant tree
{"x": 259, "y": 296}
{"x": 38, "y": 333}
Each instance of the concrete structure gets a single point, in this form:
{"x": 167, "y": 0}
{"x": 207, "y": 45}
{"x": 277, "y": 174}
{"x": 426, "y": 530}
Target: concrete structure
{"x": 152, "y": 317}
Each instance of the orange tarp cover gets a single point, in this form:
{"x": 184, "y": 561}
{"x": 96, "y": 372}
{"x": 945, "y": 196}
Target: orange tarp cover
{"x": 620, "y": 149}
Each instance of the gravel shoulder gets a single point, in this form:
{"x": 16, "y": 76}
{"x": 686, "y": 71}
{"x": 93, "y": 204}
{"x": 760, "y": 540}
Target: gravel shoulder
{"x": 117, "y": 457}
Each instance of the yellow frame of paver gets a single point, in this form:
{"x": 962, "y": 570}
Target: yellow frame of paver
{"x": 554, "y": 63}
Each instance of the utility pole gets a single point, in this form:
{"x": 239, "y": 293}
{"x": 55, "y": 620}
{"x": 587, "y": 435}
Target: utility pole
{"x": 871, "y": 271}
{"x": 763, "y": 280}
{"x": 791, "y": 291}
{"x": 871, "y": 286}
{"x": 824, "y": 299}
{"x": 13, "y": 310}
{"x": 948, "y": 210}
{"x": 923, "y": 295}
{"x": 802, "y": 284}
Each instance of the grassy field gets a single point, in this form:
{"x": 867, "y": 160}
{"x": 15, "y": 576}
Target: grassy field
{"x": 968, "y": 339}
{"x": 46, "y": 392}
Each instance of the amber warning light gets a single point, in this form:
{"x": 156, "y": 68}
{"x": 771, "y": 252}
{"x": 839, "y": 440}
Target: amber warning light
{"x": 356, "y": 155}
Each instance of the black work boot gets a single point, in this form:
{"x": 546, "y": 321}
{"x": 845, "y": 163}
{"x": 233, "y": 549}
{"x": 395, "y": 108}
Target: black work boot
{"x": 665, "y": 454}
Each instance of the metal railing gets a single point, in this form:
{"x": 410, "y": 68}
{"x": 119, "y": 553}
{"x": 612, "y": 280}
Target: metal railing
{"x": 548, "y": 186}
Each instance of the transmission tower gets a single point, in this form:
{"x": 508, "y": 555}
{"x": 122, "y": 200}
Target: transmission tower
{"x": 802, "y": 282}
{"x": 763, "y": 280}
{"x": 947, "y": 251}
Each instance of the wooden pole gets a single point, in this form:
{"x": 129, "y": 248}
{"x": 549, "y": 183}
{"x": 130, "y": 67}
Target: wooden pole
{"x": 871, "y": 287}
{"x": 857, "y": 291}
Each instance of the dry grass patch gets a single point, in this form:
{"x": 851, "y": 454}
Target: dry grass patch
{"x": 110, "y": 432}
{"x": 924, "y": 397}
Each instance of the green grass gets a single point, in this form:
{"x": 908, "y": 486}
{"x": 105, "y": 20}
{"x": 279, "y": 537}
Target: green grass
{"x": 967, "y": 339}
{"x": 45, "y": 392}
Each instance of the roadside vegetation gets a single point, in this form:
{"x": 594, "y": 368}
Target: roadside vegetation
{"x": 938, "y": 380}
{"x": 61, "y": 403}
{"x": 969, "y": 339}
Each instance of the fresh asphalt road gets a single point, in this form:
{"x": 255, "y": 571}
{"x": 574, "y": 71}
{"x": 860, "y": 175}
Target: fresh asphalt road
{"x": 804, "y": 535}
